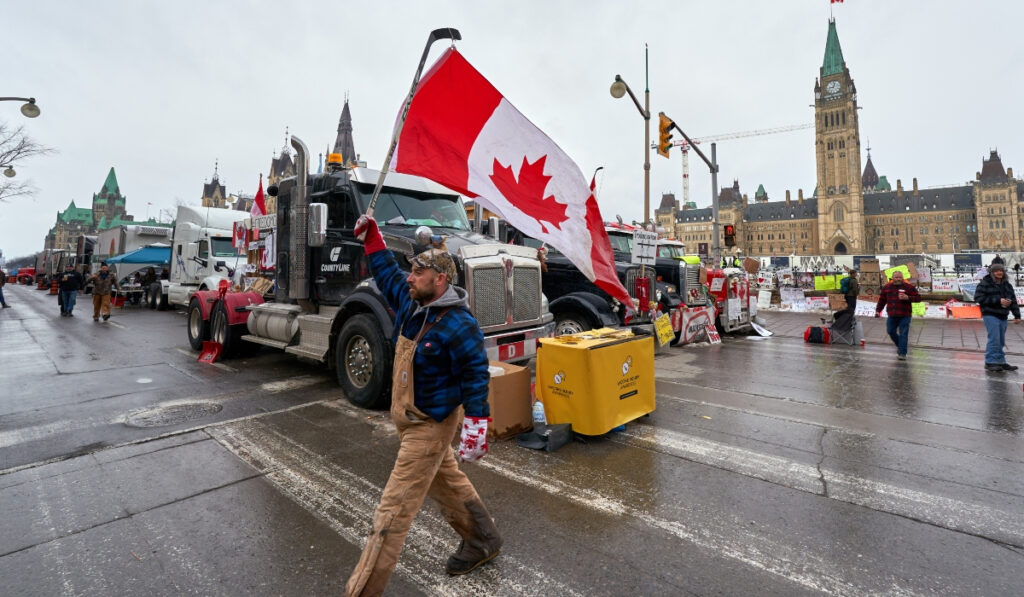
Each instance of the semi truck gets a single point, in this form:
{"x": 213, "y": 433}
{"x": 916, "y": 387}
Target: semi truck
{"x": 202, "y": 256}
{"x": 324, "y": 305}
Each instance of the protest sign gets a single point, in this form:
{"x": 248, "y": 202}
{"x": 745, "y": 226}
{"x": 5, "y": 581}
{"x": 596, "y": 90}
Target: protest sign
{"x": 764, "y": 299}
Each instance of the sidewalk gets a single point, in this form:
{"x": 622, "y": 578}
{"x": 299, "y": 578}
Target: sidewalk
{"x": 950, "y": 334}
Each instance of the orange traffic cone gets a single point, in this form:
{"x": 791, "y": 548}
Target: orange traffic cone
{"x": 53, "y": 286}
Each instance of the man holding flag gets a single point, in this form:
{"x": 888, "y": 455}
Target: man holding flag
{"x": 460, "y": 132}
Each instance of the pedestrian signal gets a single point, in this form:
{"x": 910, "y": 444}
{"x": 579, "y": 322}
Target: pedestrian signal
{"x": 664, "y": 134}
{"x": 730, "y": 235}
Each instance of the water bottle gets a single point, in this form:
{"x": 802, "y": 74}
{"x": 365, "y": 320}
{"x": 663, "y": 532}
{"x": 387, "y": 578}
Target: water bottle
{"x": 538, "y": 414}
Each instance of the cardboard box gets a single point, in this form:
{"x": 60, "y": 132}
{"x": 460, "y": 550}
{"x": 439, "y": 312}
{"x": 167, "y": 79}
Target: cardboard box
{"x": 869, "y": 266}
{"x": 595, "y": 384}
{"x": 836, "y": 302}
{"x": 509, "y": 398}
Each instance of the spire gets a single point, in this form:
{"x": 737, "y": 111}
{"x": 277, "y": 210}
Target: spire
{"x": 833, "y": 63}
{"x": 344, "y": 144}
{"x": 216, "y": 164}
{"x": 110, "y": 184}
{"x": 870, "y": 178}
{"x": 284, "y": 149}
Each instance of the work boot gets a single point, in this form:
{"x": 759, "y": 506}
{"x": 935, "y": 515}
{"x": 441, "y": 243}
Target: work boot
{"x": 994, "y": 367}
{"x": 480, "y": 548}
{"x": 106, "y": 317}
{"x": 1009, "y": 367}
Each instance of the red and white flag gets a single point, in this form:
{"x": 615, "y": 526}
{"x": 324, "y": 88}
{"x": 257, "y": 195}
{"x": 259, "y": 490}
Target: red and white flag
{"x": 462, "y": 133}
{"x": 259, "y": 207}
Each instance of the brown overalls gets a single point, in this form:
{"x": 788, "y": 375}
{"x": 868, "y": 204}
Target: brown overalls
{"x": 425, "y": 465}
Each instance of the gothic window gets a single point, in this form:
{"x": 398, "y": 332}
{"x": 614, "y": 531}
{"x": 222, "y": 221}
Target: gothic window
{"x": 895, "y": 245}
{"x": 837, "y": 212}
{"x": 842, "y": 145}
{"x": 844, "y": 117}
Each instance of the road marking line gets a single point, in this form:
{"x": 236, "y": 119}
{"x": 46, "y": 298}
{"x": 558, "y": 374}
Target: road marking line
{"x": 115, "y": 324}
{"x": 346, "y": 502}
{"x": 727, "y": 537}
{"x": 934, "y": 509}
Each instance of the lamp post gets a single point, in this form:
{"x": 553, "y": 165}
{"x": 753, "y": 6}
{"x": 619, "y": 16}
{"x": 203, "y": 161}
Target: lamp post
{"x": 29, "y": 109}
{"x": 620, "y": 88}
{"x": 952, "y": 237}
{"x": 8, "y": 170}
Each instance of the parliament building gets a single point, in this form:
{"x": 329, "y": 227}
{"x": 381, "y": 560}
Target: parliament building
{"x": 854, "y": 210}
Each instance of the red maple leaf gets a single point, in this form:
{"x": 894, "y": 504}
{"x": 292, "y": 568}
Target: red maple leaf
{"x": 527, "y": 193}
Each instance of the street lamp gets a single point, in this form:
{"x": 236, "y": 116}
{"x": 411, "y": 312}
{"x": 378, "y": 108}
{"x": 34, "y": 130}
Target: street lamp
{"x": 618, "y": 89}
{"x": 9, "y": 170}
{"x": 29, "y": 109}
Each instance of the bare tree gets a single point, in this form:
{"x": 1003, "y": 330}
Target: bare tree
{"x": 168, "y": 214}
{"x": 17, "y": 146}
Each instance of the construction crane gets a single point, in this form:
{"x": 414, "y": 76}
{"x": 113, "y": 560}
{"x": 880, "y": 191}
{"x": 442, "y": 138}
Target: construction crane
{"x": 684, "y": 147}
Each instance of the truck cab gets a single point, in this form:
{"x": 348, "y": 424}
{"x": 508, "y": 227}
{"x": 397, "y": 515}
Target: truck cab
{"x": 202, "y": 253}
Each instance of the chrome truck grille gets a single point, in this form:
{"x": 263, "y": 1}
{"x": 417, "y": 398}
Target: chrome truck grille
{"x": 503, "y": 282}
{"x": 632, "y": 274}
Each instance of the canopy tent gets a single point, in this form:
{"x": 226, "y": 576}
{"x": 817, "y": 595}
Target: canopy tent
{"x": 152, "y": 255}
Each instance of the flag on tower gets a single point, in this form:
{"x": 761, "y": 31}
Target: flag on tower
{"x": 462, "y": 133}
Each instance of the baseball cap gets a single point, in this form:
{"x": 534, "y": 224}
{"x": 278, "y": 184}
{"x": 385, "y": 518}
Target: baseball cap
{"x": 438, "y": 260}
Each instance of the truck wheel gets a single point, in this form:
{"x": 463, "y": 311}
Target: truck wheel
{"x": 363, "y": 363}
{"x": 229, "y": 336}
{"x": 571, "y": 323}
{"x": 198, "y": 328}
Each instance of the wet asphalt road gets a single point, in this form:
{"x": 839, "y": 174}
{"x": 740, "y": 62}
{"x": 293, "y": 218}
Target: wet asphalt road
{"x": 770, "y": 467}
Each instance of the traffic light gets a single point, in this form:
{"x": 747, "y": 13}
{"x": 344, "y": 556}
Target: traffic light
{"x": 730, "y": 235}
{"x": 664, "y": 134}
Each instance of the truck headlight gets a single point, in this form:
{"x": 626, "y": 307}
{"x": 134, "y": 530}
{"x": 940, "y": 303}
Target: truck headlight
{"x": 543, "y": 303}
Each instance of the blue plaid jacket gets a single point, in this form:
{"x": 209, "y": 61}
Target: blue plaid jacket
{"x": 450, "y": 366}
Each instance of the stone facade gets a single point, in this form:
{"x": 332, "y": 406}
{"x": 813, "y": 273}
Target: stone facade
{"x": 855, "y": 212}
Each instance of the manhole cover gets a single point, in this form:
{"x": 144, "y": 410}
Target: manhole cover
{"x": 171, "y": 414}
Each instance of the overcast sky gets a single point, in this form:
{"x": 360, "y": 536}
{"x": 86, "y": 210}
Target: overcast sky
{"x": 159, "y": 90}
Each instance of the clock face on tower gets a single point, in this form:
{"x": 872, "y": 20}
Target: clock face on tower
{"x": 832, "y": 88}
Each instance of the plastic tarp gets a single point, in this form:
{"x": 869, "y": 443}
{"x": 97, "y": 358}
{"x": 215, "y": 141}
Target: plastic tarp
{"x": 148, "y": 255}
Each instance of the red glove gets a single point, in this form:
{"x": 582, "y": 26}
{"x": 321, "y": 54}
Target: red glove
{"x": 366, "y": 231}
{"x": 474, "y": 439}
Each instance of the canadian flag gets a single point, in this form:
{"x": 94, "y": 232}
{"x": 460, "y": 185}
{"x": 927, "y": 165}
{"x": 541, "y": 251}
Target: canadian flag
{"x": 461, "y": 133}
{"x": 259, "y": 206}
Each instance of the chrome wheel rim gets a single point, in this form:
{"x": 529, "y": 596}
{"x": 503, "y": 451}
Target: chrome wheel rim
{"x": 567, "y": 327}
{"x": 358, "y": 361}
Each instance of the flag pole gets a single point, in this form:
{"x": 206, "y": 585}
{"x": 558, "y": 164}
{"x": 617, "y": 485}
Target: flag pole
{"x": 445, "y": 33}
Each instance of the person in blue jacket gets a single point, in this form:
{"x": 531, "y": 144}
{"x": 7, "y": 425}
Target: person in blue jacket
{"x": 440, "y": 371}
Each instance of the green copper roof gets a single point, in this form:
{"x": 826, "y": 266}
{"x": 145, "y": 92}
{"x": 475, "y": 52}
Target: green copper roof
{"x": 883, "y": 184}
{"x": 110, "y": 185}
{"x": 760, "y": 191}
{"x": 833, "y": 64}
{"x": 75, "y": 214}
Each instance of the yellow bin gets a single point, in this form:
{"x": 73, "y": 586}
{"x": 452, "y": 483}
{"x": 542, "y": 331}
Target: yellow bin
{"x": 596, "y": 383}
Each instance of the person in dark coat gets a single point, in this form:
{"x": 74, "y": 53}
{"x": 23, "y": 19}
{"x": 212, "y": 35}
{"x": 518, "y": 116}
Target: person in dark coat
{"x": 997, "y": 299}
{"x": 71, "y": 283}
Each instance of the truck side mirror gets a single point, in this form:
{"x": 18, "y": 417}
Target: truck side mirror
{"x": 220, "y": 265}
{"x": 317, "y": 224}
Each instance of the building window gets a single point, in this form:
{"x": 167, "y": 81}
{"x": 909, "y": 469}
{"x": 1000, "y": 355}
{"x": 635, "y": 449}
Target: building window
{"x": 837, "y": 212}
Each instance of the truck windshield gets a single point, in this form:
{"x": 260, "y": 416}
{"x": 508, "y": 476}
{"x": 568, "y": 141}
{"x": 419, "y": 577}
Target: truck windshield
{"x": 621, "y": 243}
{"x": 222, "y": 247}
{"x": 408, "y": 208}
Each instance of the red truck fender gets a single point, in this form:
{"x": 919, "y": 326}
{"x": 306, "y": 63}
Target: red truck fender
{"x": 234, "y": 301}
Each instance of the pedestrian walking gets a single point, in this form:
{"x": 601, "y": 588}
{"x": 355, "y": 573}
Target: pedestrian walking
{"x": 851, "y": 291}
{"x": 103, "y": 282}
{"x": 70, "y": 283}
{"x": 997, "y": 299}
{"x": 896, "y": 297}
{"x": 440, "y": 370}
{"x": 3, "y": 281}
